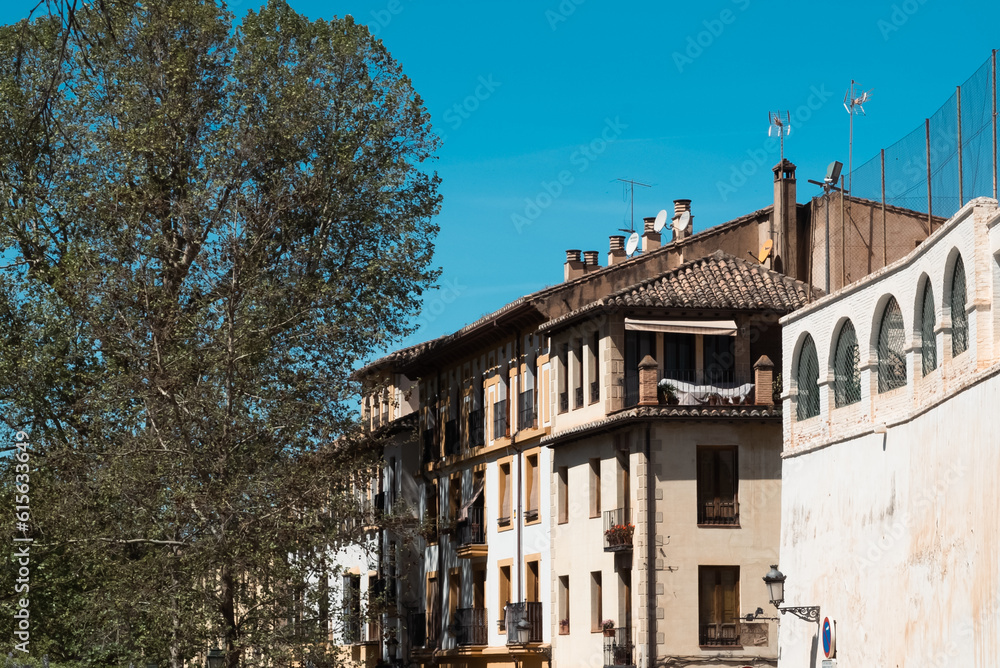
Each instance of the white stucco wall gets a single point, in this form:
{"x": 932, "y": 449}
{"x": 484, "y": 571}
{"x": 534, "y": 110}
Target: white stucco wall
{"x": 889, "y": 506}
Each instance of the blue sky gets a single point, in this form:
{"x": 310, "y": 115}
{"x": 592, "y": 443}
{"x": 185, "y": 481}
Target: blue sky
{"x": 544, "y": 104}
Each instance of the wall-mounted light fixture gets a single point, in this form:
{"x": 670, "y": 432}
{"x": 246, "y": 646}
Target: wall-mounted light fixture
{"x": 775, "y": 581}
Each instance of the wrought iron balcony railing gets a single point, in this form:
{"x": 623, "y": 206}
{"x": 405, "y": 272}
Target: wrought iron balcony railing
{"x": 619, "y": 650}
{"x": 523, "y": 622}
{"x": 618, "y": 530}
{"x": 471, "y": 626}
{"x": 719, "y": 635}
{"x": 526, "y": 413}
{"x": 719, "y": 511}
{"x": 500, "y": 419}
{"x": 473, "y": 530}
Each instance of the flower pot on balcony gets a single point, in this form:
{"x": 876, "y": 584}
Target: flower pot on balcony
{"x": 609, "y": 633}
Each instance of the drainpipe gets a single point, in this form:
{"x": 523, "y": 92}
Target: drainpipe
{"x": 650, "y": 552}
{"x": 520, "y": 463}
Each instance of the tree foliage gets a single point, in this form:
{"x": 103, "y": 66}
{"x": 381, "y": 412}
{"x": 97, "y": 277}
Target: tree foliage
{"x": 206, "y": 224}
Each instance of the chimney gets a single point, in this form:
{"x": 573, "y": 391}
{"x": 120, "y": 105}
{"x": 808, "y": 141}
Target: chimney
{"x": 591, "y": 261}
{"x": 784, "y": 222}
{"x": 682, "y": 206}
{"x": 574, "y": 265}
{"x": 648, "y": 395}
{"x": 617, "y": 253}
{"x": 650, "y": 237}
{"x": 763, "y": 372}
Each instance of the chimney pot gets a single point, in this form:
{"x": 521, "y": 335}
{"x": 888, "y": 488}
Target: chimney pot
{"x": 572, "y": 256}
{"x": 649, "y": 224}
{"x": 617, "y": 243}
{"x": 591, "y": 258}
{"x": 681, "y": 205}
{"x": 574, "y": 267}
{"x": 617, "y": 253}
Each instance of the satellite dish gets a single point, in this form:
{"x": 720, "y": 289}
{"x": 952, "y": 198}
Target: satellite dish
{"x": 765, "y": 251}
{"x": 661, "y": 220}
{"x": 632, "y": 243}
{"x": 833, "y": 171}
{"x": 683, "y": 221}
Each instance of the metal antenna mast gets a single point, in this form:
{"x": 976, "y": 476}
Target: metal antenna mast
{"x": 781, "y": 127}
{"x": 632, "y": 184}
{"x": 853, "y": 104}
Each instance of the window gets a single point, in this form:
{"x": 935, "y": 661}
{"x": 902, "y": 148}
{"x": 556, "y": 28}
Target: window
{"x": 454, "y": 497}
{"x": 352, "y": 608}
{"x": 503, "y": 486}
{"x": 564, "y": 378}
{"x": 595, "y": 487}
{"x": 595, "y": 370}
{"x": 532, "y": 583}
{"x": 846, "y": 374}
{"x": 959, "y": 318}
{"x": 928, "y": 344}
{"x": 807, "y": 378}
{"x": 719, "y": 358}
{"x": 563, "y": 603}
{"x": 430, "y": 529}
{"x": 637, "y": 346}
{"x": 891, "y": 355}
{"x": 717, "y": 486}
{"x": 432, "y": 603}
{"x": 563, "y": 498}
{"x": 596, "y": 597}
{"x": 578, "y": 374}
{"x": 678, "y": 356}
{"x": 454, "y": 594}
{"x": 504, "y": 591}
{"x": 718, "y": 605}
{"x": 531, "y": 484}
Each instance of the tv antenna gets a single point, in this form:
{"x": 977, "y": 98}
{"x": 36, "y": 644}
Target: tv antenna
{"x": 632, "y": 184}
{"x": 779, "y": 126}
{"x": 853, "y": 102}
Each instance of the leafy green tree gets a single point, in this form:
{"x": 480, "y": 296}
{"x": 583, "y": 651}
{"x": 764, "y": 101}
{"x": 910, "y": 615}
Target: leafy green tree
{"x": 205, "y": 225}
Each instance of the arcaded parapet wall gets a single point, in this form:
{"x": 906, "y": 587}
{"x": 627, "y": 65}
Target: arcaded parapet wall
{"x": 889, "y": 495}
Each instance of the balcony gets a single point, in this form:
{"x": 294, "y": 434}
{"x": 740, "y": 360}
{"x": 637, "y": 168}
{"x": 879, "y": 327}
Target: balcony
{"x": 618, "y": 530}
{"x": 417, "y": 628}
{"x": 451, "y": 438}
{"x": 523, "y": 622}
{"x": 711, "y": 387}
{"x": 500, "y": 419}
{"x": 719, "y": 512}
{"x": 477, "y": 428}
{"x": 719, "y": 635}
{"x": 526, "y": 413}
{"x": 619, "y": 650}
{"x": 471, "y": 626}
{"x": 472, "y": 534}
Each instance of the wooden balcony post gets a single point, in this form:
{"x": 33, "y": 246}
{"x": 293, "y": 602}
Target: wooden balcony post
{"x": 647, "y": 382}
{"x": 763, "y": 371}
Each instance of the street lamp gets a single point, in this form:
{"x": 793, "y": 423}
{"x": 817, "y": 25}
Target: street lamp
{"x": 775, "y": 581}
{"x": 216, "y": 658}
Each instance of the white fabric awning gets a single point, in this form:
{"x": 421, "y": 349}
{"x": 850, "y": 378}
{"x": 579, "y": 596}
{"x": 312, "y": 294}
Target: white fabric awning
{"x": 704, "y": 327}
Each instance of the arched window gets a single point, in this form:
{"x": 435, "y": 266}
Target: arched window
{"x": 959, "y": 318}
{"x": 846, "y": 375}
{"x": 891, "y": 356}
{"x": 807, "y": 379}
{"x": 928, "y": 346}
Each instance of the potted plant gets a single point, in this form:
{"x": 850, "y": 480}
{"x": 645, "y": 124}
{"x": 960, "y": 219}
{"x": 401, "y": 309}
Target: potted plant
{"x": 608, "y": 625}
{"x": 564, "y": 626}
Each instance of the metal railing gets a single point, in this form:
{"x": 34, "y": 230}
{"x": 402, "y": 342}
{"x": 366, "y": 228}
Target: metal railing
{"x": 477, "y": 428}
{"x": 717, "y": 511}
{"x": 618, "y": 530}
{"x": 719, "y": 635}
{"x": 471, "y": 626}
{"x": 500, "y": 419}
{"x": 526, "y": 413}
{"x": 473, "y": 530}
{"x": 523, "y": 622}
{"x": 619, "y": 650}
{"x": 452, "y": 442}
{"x": 417, "y": 628}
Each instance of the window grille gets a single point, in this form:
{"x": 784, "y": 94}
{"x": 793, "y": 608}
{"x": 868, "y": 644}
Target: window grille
{"x": 847, "y": 376}
{"x": 928, "y": 346}
{"x": 891, "y": 354}
{"x": 959, "y": 318}
{"x": 807, "y": 404}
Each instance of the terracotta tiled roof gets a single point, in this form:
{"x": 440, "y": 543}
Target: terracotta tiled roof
{"x": 718, "y": 281}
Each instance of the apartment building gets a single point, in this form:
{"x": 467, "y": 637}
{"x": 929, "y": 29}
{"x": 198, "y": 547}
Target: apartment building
{"x": 592, "y": 472}
{"x": 889, "y": 495}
